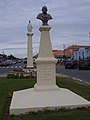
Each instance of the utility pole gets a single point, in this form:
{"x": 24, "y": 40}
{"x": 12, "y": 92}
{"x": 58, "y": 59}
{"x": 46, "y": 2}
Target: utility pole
{"x": 64, "y": 50}
{"x": 89, "y": 38}
{"x": 3, "y": 52}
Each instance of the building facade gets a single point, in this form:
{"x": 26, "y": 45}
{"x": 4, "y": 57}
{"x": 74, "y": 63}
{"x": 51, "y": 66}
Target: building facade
{"x": 76, "y": 51}
{"x": 82, "y": 53}
{"x": 60, "y": 55}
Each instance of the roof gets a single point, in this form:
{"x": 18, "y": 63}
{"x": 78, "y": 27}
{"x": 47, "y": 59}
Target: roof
{"x": 77, "y": 47}
{"x": 58, "y": 52}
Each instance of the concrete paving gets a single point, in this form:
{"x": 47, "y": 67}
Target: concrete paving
{"x": 30, "y": 100}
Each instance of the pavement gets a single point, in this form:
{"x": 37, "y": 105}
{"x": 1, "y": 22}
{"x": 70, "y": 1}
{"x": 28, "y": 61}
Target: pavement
{"x": 3, "y": 75}
{"x": 57, "y": 74}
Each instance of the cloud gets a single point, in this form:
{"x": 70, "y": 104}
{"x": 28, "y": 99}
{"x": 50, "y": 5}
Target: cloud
{"x": 70, "y": 23}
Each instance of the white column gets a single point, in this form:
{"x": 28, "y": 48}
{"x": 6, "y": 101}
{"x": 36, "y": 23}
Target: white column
{"x": 29, "y": 50}
{"x": 46, "y": 69}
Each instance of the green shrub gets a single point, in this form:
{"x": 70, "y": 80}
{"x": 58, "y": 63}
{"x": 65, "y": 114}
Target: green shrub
{"x": 16, "y": 75}
{"x": 21, "y": 76}
{"x": 11, "y": 76}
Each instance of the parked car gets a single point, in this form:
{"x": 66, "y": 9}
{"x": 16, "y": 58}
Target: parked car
{"x": 4, "y": 63}
{"x": 71, "y": 64}
{"x": 84, "y": 64}
{"x": 7, "y": 63}
{"x": 25, "y": 61}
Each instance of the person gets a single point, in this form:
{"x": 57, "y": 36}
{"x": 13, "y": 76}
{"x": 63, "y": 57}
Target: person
{"x": 29, "y": 27}
{"x": 44, "y": 16}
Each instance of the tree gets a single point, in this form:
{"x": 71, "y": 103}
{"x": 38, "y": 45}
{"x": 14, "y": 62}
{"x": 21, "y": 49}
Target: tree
{"x": 11, "y": 57}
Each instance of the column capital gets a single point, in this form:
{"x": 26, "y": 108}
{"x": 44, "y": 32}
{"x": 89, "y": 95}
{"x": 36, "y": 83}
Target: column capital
{"x": 30, "y": 33}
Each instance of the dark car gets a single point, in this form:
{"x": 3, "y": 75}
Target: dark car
{"x": 6, "y": 63}
{"x": 71, "y": 64}
{"x": 84, "y": 64}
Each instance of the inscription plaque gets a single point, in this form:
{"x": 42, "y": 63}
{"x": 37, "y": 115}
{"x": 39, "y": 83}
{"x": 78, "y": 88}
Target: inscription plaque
{"x": 47, "y": 72}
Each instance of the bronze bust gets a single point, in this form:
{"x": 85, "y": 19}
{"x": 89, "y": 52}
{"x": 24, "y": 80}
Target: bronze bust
{"x": 44, "y": 16}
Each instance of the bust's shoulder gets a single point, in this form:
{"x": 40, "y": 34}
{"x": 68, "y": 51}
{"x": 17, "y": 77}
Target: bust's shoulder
{"x": 49, "y": 16}
{"x": 39, "y": 15}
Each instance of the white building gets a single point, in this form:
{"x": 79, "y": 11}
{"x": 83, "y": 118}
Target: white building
{"x": 81, "y": 53}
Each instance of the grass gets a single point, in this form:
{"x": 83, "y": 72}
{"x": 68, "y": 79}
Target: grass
{"x": 7, "y": 86}
{"x": 72, "y": 85}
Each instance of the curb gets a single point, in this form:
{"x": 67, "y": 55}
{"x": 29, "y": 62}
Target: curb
{"x": 61, "y": 75}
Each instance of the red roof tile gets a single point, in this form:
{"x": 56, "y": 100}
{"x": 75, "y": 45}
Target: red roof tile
{"x": 58, "y": 52}
{"x": 77, "y": 47}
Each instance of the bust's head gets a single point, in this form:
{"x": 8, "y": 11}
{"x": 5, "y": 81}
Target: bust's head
{"x": 44, "y": 17}
{"x": 44, "y": 9}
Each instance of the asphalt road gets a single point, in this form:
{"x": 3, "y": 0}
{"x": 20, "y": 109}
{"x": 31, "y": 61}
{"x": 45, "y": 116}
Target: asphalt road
{"x": 75, "y": 73}
{"x": 7, "y": 69}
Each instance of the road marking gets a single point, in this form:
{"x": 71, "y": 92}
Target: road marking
{"x": 74, "y": 78}
{"x": 20, "y": 66}
{"x": 7, "y": 67}
{"x": 12, "y": 67}
{"x": 79, "y": 80}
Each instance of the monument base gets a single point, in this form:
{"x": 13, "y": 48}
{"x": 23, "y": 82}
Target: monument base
{"x": 45, "y": 87}
{"x": 29, "y": 100}
{"x": 30, "y": 69}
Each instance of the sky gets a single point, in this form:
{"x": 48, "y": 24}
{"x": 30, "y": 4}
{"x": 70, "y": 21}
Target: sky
{"x": 70, "y": 24}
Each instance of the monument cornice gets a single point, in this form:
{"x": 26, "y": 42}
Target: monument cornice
{"x": 46, "y": 60}
{"x": 44, "y": 28}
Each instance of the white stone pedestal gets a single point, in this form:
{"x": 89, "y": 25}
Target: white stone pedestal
{"x": 46, "y": 69}
{"x": 29, "y": 50}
